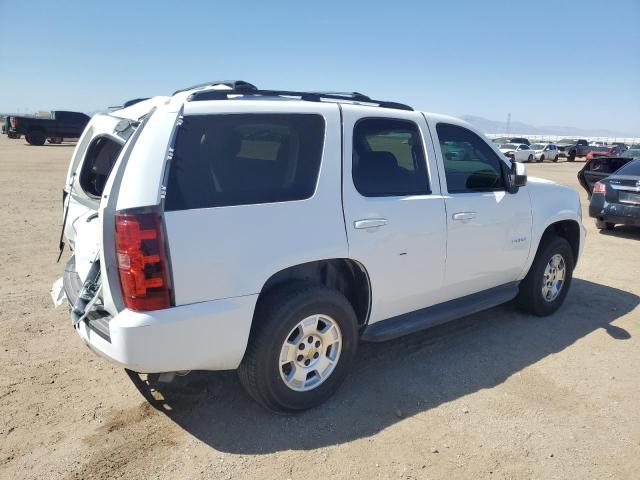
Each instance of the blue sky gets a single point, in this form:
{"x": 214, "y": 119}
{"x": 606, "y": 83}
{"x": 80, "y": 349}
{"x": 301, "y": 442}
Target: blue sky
{"x": 573, "y": 63}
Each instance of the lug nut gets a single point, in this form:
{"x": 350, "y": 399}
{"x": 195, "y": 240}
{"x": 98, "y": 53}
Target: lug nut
{"x": 299, "y": 358}
{"x": 317, "y": 343}
{"x": 301, "y": 346}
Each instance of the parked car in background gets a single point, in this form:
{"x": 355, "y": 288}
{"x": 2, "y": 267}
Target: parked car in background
{"x": 573, "y": 148}
{"x": 602, "y": 151}
{"x": 616, "y": 199}
{"x": 599, "y": 168}
{"x": 545, "y": 151}
{"x": 155, "y": 287}
{"x": 520, "y": 140}
{"x": 517, "y": 152}
{"x": 61, "y": 125}
{"x": 6, "y": 128}
{"x": 621, "y": 146}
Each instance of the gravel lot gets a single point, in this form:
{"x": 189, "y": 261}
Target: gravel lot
{"x": 495, "y": 395}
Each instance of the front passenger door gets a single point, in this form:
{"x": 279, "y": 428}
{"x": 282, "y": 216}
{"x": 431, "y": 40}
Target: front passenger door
{"x": 394, "y": 211}
{"x": 488, "y": 229}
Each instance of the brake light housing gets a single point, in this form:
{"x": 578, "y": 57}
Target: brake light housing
{"x": 14, "y": 122}
{"x": 599, "y": 188}
{"x": 142, "y": 261}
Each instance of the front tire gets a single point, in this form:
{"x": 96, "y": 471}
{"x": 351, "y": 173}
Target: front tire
{"x": 541, "y": 159}
{"x": 546, "y": 285}
{"x": 555, "y": 159}
{"x": 302, "y": 345}
{"x": 530, "y": 159}
{"x": 602, "y": 225}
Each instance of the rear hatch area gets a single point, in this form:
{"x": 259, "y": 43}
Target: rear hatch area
{"x": 93, "y": 160}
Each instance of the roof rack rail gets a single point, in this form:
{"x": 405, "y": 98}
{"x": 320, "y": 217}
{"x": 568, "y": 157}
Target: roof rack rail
{"x": 233, "y": 84}
{"x": 306, "y": 96}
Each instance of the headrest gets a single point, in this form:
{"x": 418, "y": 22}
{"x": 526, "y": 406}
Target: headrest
{"x": 378, "y": 161}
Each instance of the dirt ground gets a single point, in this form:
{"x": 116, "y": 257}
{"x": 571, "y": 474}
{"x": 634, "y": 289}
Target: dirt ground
{"x": 495, "y": 395}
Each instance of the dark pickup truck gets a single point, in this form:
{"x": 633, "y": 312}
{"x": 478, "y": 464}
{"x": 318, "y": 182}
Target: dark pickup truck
{"x": 61, "y": 125}
{"x": 572, "y": 149}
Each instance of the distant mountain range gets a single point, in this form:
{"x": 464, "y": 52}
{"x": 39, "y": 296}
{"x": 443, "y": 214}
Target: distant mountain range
{"x": 494, "y": 126}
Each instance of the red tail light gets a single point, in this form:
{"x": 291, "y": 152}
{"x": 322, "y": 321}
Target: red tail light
{"x": 599, "y": 188}
{"x": 14, "y": 122}
{"x": 142, "y": 262}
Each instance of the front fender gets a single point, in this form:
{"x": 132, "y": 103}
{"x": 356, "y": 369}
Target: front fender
{"x": 551, "y": 203}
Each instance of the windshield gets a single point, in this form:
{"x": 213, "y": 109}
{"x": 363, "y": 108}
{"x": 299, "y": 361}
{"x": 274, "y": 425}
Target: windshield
{"x": 538, "y": 146}
{"x": 631, "y": 168}
{"x": 510, "y": 146}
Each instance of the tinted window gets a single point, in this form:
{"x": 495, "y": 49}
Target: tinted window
{"x": 388, "y": 158}
{"x": 631, "y": 168}
{"x": 470, "y": 164}
{"x": 222, "y": 160}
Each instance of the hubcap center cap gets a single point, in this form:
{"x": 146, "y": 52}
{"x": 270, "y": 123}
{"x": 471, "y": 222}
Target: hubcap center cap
{"x": 309, "y": 351}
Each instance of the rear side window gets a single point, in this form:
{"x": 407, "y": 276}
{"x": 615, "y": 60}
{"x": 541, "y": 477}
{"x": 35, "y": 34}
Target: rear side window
{"x": 470, "y": 164}
{"x": 98, "y": 162}
{"x": 388, "y": 158}
{"x": 242, "y": 159}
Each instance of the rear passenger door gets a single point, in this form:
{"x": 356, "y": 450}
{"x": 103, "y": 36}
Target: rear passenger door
{"x": 394, "y": 212}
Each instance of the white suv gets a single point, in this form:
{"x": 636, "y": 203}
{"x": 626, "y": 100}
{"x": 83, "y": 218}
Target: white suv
{"x": 228, "y": 227}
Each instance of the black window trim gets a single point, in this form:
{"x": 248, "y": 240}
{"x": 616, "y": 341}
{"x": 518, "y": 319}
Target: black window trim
{"x": 504, "y": 168}
{"x": 426, "y": 192}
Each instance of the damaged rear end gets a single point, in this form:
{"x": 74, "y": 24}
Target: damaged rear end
{"x": 117, "y": 255}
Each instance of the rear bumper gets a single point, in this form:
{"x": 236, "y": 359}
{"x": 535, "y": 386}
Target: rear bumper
{"x": 202, "y": 336}
{"x": 613, "y": 212}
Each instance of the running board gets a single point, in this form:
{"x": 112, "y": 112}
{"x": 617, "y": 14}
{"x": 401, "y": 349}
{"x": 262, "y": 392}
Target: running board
{"x": 411, "y": 322}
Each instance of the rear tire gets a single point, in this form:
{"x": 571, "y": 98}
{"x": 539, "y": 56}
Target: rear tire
{"x": 571, "y": 157}
{"x": 36, "y": 137}
{"x": 55, "y": 140}
{"x": 283, "y": 379}
{"x": 541, "y": 292}
{"x": 602, "y": 225}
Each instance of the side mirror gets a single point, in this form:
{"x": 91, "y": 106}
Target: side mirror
{"x": 517, "y": 177}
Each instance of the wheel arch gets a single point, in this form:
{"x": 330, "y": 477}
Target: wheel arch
{"x": 567, "y": 228}
{"x": 345, "y": 275}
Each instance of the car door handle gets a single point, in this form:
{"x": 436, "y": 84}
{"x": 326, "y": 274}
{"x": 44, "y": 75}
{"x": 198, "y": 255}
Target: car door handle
{"x": 464, "y": 215}
{"x": 370, "y": 223}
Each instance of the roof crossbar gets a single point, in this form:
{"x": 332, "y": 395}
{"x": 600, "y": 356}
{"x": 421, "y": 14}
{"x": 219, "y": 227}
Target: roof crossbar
{"x": 306, "y": 96}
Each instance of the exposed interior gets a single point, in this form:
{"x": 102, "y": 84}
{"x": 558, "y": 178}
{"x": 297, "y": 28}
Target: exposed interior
{"x": 98, "y": 162}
